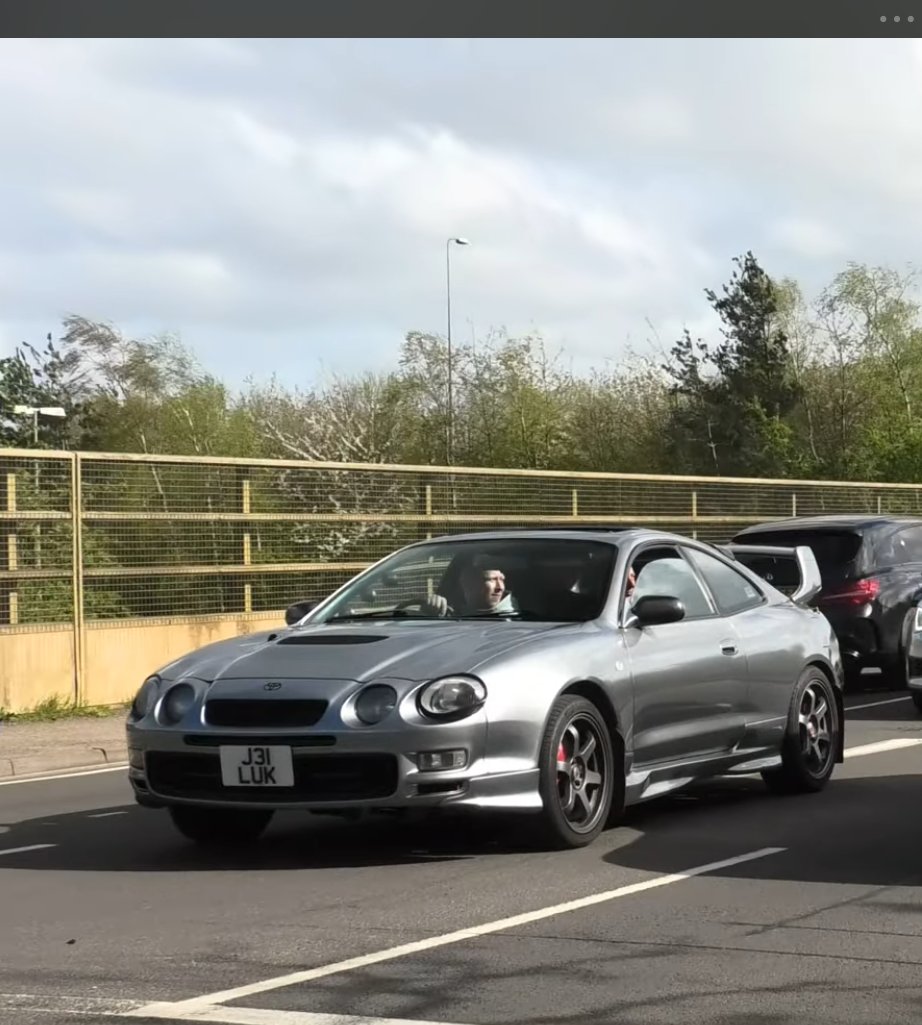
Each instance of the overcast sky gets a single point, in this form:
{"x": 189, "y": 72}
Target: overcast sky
{"x": 285, "y": 203}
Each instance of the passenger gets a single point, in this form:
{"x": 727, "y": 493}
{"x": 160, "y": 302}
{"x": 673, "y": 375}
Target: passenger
{"x": 484, "y": 592}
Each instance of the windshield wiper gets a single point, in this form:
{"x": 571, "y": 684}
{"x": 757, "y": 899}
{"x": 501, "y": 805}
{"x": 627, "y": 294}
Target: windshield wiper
{"x": 510, "y": 614}
{"x": 378, "y": 614}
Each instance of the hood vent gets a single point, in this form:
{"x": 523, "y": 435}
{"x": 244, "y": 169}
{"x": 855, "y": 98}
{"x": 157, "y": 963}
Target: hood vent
{"x": 332, "y": 638}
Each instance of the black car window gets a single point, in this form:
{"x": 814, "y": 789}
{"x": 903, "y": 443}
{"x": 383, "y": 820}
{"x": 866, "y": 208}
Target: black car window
{"x": 731, "y": 590}
{"x": 906, "y": 547}
{"x": 663, "y": 571}
{"x": 836, "y": 551}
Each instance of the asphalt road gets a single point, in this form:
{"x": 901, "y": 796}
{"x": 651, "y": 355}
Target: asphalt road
{"x": 106, "y": 911}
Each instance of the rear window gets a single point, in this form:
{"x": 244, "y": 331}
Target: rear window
{"x": 835, "y": 550}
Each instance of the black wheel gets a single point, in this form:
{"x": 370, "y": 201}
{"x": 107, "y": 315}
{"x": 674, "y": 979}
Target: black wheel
{"x": 220, "y": 827}
{"x": 897, "y": 670}
{"x": 578, "y": 774}
{"x": 808, "y": 753}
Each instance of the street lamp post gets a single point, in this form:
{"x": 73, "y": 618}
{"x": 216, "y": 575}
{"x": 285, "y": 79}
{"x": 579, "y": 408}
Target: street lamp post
{"x": 35, "y": 412}
{"x": 451, "y": 402}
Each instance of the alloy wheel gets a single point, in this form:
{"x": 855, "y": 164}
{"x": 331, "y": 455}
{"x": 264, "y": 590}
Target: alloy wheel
{"x": 582, "y": 773}
{"x": 815, "y": 722}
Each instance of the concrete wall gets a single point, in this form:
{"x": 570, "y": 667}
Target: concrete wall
{"x": 38, "y": 663}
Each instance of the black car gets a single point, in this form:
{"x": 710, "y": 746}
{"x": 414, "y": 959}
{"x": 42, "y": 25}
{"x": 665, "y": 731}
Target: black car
{"x": 872, "y": 578}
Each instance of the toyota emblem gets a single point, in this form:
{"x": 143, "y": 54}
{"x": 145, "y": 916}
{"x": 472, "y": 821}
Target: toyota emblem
{"x": 271, "y": 686}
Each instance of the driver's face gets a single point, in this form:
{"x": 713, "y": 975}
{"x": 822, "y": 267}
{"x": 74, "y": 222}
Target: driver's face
{"x": 485, "y": 590}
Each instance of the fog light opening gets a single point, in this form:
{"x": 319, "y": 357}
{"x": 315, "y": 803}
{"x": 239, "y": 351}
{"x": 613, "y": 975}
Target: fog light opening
{"x": 439, "y": 761}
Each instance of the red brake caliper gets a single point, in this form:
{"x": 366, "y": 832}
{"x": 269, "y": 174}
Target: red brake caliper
{"x": 561, "y": 754}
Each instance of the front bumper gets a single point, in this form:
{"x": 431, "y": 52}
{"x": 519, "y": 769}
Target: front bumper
{"x": 348, "y": 771}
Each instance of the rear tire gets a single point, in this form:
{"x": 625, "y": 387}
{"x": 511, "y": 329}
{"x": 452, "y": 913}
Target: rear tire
{"x": 220, "y": 827}
{"x": 896, "y": 672}
{"x": 808, "y": 752}
{"x": 579, "y": 774}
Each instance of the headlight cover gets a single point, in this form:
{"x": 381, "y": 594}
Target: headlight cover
{"x": 177, "y": 701}
{"x": 375, "y": 703}
{"x": 917, "y": 622}
{"x": 451, "y": 697}
{"x": 145, "y": 698}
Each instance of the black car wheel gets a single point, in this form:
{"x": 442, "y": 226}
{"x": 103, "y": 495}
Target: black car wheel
{"x": 808, "y": 752}
{"x": 579, "y": 774}
{"x": 220, "y": 827}
{"x": 900, "y": 670}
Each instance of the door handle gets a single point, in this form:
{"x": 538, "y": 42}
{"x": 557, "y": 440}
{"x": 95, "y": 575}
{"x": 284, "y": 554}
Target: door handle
{"x": 728, "y": 648}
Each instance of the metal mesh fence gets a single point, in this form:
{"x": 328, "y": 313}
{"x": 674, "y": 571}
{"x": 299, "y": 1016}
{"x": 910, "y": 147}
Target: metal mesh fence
{"x": 36, "y": 538}
{"x": 112, "y": 537}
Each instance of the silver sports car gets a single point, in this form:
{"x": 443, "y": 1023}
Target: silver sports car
{"x": 563, "y": 673}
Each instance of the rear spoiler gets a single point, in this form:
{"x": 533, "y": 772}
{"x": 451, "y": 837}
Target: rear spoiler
{"x": 811, "y": 582}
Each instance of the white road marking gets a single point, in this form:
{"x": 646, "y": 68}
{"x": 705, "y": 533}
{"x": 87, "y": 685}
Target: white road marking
{"x": 106, "y": 814}
{"x": 31, "y": 847}
{"x": 121, "y": 767}
{"x": 882, "y": 745}
{"x": 876, "y": 704}
{"x": 187, "y": 1009}
{"x": 55, "y": 1004}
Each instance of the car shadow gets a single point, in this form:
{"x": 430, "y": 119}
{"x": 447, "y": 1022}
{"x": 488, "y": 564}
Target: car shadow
{"x": 127, "y": 838}
{"x": 859, "y": 831}
{"x": 882, "y": 706}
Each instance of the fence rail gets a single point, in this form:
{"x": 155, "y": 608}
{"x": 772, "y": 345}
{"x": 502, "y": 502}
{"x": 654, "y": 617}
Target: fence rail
{"x": 93, "y": 541}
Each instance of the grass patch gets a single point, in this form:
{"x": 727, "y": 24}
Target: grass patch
{"x": 55, "y": 709}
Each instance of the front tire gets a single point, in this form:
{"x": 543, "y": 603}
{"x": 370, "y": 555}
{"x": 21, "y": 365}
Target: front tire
{"x": 578, "y": 774}
{"x": 220, "y": 827}
{"x": 808, "y": 752}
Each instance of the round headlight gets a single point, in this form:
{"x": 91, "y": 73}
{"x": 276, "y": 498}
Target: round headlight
{"x": 178, "y": 701}
{"x": 375, "y": 703}
{"x": 145, "y": 698}
{"x": 451, "y": 696}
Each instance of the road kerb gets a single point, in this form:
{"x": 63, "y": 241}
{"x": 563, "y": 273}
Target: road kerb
{"x": 61, "y": 761}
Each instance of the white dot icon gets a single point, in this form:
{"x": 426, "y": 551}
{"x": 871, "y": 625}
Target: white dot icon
{"x": 897, "y": 18}
{"x": 883, "y": 17}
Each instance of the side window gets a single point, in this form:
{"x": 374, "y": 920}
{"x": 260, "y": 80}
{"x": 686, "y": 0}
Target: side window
{"x": 732, "y": 591}
{"x": 663, "y": 571}
{"x": 908, "y": 545}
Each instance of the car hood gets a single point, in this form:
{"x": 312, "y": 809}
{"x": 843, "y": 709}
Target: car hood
{"x": 360, "y": 652}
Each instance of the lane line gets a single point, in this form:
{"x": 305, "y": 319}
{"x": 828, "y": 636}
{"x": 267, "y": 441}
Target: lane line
{"x": 58, "y": 1004}
{"x": 106, "y": 814}
{"x": 188, "y": 1008}
{"x": 876, "y": 704}
{"x": 882, "y": 745}
{"x": 31, "y": 847}
{"x": 120, "y": 767}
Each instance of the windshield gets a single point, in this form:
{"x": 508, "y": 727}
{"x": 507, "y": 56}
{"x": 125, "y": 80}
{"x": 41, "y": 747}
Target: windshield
{"x": 547, "y": 579}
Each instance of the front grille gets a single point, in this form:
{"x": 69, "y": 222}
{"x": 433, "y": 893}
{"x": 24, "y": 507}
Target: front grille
{"x": 318, "y": 777}
{"x": 277, "y": 713}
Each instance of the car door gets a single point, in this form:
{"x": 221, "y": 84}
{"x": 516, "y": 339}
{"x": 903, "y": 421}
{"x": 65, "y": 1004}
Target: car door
{"x": 690, "y": 677}
{"x": 764, "y": 630}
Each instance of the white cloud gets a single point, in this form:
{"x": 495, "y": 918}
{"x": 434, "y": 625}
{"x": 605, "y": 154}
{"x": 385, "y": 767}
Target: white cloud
{"x": 281, "y": 200}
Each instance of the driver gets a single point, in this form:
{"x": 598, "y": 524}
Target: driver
{"x": 483, "y": 587}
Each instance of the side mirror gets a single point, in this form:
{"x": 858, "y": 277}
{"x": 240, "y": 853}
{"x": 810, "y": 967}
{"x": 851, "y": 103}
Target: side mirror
{"x": 657, "y": 610}
{"x": 295, "y": 613}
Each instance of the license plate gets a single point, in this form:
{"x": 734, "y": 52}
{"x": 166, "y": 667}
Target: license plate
{"x": 257, "y": 766}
